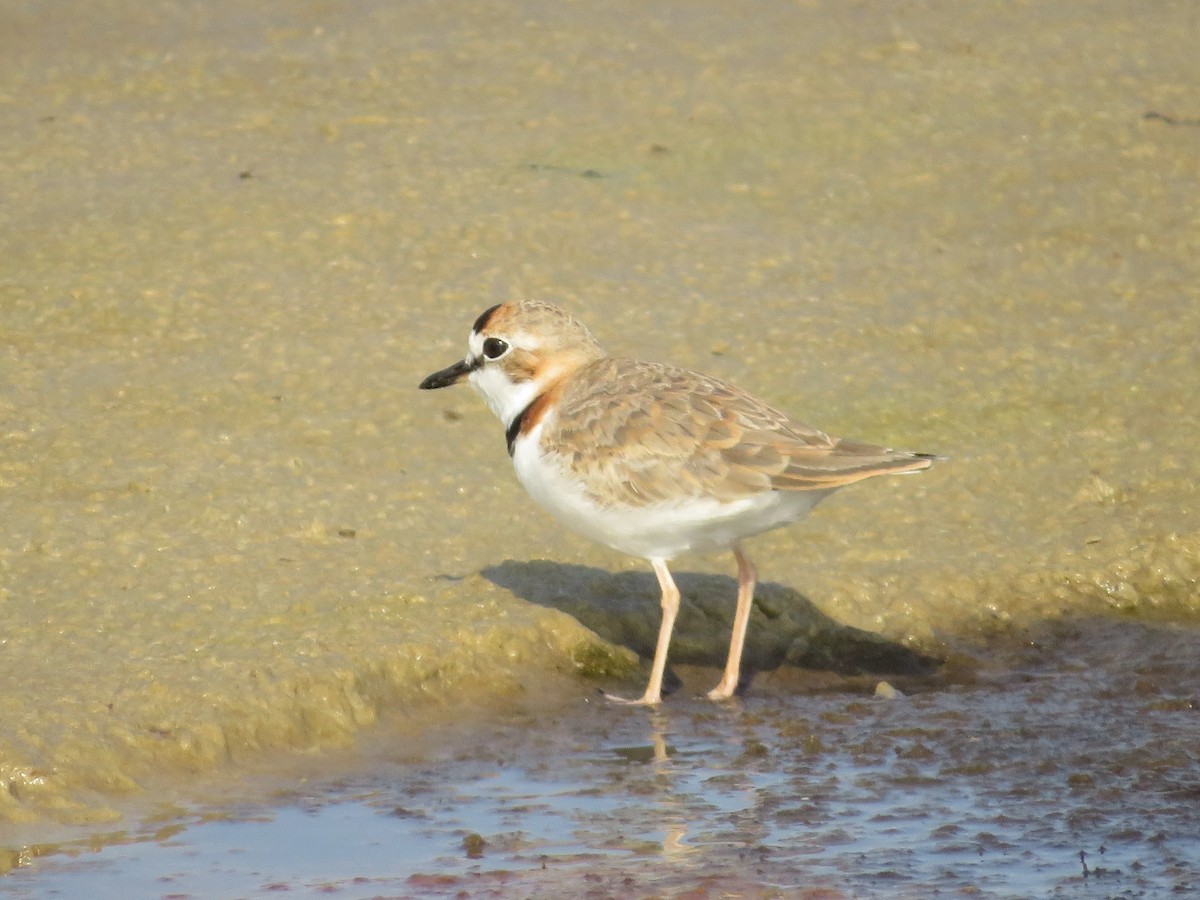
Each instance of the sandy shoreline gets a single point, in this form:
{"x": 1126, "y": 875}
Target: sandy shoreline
{"x": 232, "y": 241}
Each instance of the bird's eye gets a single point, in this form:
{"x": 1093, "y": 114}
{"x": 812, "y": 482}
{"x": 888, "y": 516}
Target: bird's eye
{"x": 494, "y": 348}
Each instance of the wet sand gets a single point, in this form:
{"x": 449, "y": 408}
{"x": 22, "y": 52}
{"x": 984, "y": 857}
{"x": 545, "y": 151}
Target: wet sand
{"x": 1069, "y": 771}
{"x": 232, "y": 240}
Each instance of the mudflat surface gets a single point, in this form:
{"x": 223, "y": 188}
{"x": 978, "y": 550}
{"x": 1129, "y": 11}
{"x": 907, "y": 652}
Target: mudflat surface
{"x": 1068, "y": 771}
{"x": 233, "y": 239}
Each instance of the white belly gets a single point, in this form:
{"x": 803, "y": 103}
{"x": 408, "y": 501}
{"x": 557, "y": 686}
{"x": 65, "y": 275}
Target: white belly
{"x": 661, "y": 530}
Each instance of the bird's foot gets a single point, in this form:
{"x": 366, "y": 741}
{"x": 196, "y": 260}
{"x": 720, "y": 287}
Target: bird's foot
{"x": 722, "y": 691}
{"x": 644, "y": 700}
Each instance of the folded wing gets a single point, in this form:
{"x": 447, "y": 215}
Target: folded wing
{"x": 693, "y": 435}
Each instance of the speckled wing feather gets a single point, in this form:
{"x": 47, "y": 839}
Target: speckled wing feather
{"x": 688, "y": 434}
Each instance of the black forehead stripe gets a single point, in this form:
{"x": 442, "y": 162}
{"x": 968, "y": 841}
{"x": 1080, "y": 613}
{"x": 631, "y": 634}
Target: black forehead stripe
{"x": 481, "y": 322}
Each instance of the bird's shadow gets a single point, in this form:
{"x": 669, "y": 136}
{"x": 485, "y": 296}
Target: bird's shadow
{"x": 786, "y": 629}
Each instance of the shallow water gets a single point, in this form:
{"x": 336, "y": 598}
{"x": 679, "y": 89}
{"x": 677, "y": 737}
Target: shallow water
{"x": 1073, "y": 772}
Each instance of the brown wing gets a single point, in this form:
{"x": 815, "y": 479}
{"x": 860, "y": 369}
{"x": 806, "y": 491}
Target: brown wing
{"x": 656, "y": 433}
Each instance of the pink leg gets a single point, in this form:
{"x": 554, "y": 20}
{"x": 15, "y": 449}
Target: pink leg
{"x": 747, "y": 576}
{"x": 670, "y": 608}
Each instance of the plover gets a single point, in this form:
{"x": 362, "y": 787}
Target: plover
{"x": 649, "y": 459}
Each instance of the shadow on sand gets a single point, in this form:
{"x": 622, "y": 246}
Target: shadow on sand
{"x": 785, "y": 629}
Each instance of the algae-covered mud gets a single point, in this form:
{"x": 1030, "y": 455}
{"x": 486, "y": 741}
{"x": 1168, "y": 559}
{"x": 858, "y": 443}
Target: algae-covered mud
{"x": 233, "y": 239}
{"x": 1069, "y": 774}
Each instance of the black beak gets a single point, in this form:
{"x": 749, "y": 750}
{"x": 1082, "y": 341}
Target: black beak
{"x": 449, "y": 375}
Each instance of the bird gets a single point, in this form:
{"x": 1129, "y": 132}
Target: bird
{"x": 649, "y": 459}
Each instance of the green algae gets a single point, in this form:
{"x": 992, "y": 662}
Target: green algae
{"x": 602, "y": 662}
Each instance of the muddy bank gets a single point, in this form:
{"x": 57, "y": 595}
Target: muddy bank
{"x": 1064, "y": 770}
{"x": 233, "y": 239}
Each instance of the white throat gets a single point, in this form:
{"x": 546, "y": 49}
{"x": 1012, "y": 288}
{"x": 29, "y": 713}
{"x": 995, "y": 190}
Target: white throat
{"x": 503, "y": 397}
